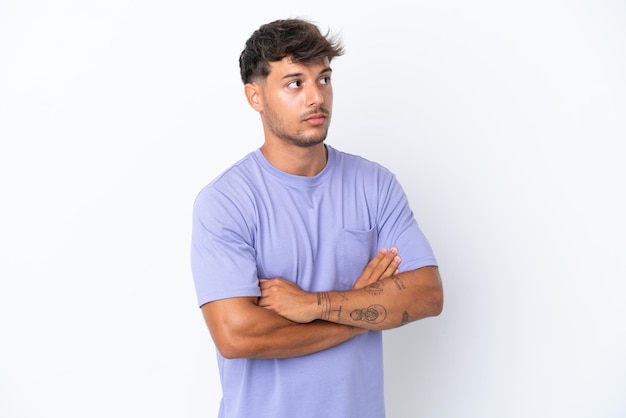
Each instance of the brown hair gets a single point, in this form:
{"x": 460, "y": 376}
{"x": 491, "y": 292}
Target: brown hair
{"x": 295, "y": 38}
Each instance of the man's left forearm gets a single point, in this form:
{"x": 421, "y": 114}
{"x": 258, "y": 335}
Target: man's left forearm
{"x": 385, "y": 304}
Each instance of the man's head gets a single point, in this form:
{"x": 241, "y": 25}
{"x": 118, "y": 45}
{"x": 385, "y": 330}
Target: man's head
{"x": 285, "y": 68}
{"x": 295, "y": 38}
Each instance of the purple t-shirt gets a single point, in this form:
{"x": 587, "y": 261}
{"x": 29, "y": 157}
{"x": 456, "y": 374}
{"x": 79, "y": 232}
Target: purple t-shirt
{"x": 254, "y": 221}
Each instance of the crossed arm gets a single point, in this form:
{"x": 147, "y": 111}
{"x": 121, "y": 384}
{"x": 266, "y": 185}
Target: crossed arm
{"x": 288, "y": 322}
{"x": 390, "y": 302}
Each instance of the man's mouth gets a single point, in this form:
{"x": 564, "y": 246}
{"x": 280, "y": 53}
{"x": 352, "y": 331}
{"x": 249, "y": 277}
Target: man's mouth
{"x": 316, "y": 118}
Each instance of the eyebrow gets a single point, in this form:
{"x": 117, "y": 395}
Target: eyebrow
{"x": 296, "y": 75}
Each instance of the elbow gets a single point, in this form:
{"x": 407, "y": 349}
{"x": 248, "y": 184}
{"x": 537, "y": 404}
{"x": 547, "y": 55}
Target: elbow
{"x": 436, "y": 302}
{"x": 229, "y": 347}
{"x": 229, "y": 353}
{"x": 430, "y": 304}
{"x": 228, "y": 340}
{"x": 229, "y": 327}
{"x": 226, "y": 349}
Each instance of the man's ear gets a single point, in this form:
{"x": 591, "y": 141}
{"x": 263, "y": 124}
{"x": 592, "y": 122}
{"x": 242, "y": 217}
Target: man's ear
{"x": 253, "y": 94}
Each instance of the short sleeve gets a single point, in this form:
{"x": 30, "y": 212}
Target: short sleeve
{"x": 399, "y": 228}
{"x": 223, "y": 259}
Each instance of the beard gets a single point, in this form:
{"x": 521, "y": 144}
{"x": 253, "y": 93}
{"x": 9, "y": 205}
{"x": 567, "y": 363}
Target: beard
{"x": 298, "y": 138}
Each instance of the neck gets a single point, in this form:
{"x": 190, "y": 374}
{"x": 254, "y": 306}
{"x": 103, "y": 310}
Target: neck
{"x": 298, "y": 161}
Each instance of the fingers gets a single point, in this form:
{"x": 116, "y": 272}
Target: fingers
{"x": 267, "y": 283}
{"x": 392, "y": 268}
{"x": 278, "y": 286}
{"x": 375, "y": 262}
{"x": 386, "y": 265}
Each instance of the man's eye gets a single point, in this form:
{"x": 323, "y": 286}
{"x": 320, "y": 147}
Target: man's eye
{"x": 325, "y": 80}
{"x": 294, "y": 84}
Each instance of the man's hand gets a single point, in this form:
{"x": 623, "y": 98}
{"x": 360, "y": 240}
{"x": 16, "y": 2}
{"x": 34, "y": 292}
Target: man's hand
{"x": 288, "y": 300}
{"x": 384, "y": 264}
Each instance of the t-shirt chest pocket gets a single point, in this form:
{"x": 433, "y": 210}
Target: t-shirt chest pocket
{"x": 357, "y": 249}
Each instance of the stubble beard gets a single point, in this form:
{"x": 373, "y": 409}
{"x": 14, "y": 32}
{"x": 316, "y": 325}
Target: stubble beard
{"x": 299, "y": 138}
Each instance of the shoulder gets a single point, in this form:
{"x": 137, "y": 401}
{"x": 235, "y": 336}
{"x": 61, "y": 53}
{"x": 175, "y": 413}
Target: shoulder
{"x": 361, "y": 166}
{"x": 232, "y": 186}
{"x": 237, "y": 174}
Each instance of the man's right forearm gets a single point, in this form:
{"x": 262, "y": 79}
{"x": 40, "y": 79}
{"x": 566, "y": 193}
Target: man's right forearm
{"x": 241, "y": 328}
{"x": 268, "y": 335}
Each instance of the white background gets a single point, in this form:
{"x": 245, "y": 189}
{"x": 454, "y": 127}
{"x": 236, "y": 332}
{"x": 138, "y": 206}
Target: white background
{"x": 504, "y": 121}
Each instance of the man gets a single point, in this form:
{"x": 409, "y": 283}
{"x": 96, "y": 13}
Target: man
{"x": 302, "y": 254}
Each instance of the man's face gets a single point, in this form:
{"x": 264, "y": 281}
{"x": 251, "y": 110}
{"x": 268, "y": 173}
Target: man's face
{"x": 297, "y": 102}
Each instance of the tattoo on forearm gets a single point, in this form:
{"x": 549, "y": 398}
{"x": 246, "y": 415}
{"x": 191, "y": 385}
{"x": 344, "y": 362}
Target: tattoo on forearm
{"x": 339, "y": 311}
{"x": 323, "y": 300}
{"x": 372, "y": 314}
{"x": 374, "y": 288}
{"x": 398, "y": 282}
{"x": 405, "y": 318}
